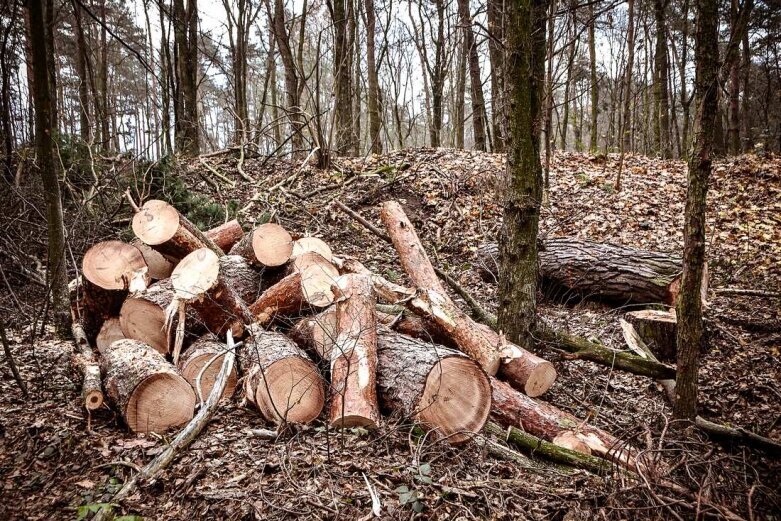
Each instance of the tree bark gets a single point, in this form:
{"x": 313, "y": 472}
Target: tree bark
{"x": 268, "y": 245}
{"x": 476, "y": 82}
{"x": 149, "y": 392}
{"x": 201, "y": 364}
{"x": 594, "y": 89}
{"x": 186, "y": 42}
{"x": 658, "y": 329}
{"x": 689, "y": 305}
{"x": 661, "y": 94}
{"x": 226, "y": 235}
{"x": 495, "y": 17}
{"x": 373, "y": 94}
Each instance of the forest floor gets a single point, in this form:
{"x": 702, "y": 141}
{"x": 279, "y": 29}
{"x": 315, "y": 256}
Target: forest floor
{"x": 54, "y": 465}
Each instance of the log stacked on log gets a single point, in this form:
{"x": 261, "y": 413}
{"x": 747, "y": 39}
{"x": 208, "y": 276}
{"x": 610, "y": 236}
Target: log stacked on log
{"x": 162, "y": 349}
{"x": 604, "y": 271}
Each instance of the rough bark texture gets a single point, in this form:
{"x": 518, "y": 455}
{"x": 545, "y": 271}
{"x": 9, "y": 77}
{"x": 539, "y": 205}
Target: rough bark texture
{"x": 605, "y": 271}
{"x": 149, "y": 392}
{"x": 225, "y": 236}
{"x": 161, "y": 226}
{"x": 523, "y": 177}
{"x": 441, "y": 388}
{"x": 280, "y": 379}
{"x": 511, "y": 408}
{"x": 354, "y": 355}
{"x": 284, "y": 298}
{"x": 661, "y": 72}
{"x": 241, "y": 276}
{"x": 658, "y": 329}
{"x": 689, "y": 305}
{"x": 206, "y": 354}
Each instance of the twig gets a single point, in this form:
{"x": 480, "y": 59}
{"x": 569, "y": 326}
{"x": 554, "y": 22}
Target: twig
{"x": 216, "y": 173}
{"x": 747, "y": 292}
{"x": 130, "y": 200}
{"x": 9, "y": 356}
{"x": 182, "y": 440}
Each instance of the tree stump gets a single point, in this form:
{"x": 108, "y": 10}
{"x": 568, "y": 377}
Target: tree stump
{"x": 658, "y": 329}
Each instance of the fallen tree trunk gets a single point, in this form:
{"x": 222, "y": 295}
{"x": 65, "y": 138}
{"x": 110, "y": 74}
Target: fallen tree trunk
{"x": 318, "y": 276}
{"x": 604, "y": 271}
{"x": 658, "y": 329}
{"x": 285, "y": 298}
{"x": 524, "y": 370}
{"x": 241, "y": 276}
{"x": 110, "y": 332}
{"x": 226, "y": 235}
{"x": 442, "y": 389}
{"x": 353, "y": 355}
{"x": 148, "y": 391}
{"x": 280, "y": 379}
{"x": 86, "y": 365}
{"x": 200, "y": 365}
{"x": 110, "y": 270}
{"x": 514, "y": 409}
{"x": 269, "y": 245}
{"x": 199, "y": 282}
{"x": 161, "y": 226}
{"x": 143, "y": 318}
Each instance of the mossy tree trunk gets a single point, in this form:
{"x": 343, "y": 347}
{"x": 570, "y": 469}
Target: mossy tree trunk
{"x": 523, "y": 188}
{"x": 689, "y": 306}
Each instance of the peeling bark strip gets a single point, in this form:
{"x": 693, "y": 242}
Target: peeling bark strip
{"x": 161, "y": 226}
{"x": 354, "y": 355}
{"x": 514, "y": 409}
{"x": 524, "y": 370}
{"x": 110, "y": 270}
{"x": 268, "y": 245}
{"x": 280, "y": 379}
{"x": 606, "y": 271}
{"x": 201, "y": 364}
{"x": 149, "y": 392}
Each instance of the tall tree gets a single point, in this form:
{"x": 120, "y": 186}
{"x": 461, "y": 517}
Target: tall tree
{"x": 476, "y": 82}
{"x": 343, "y": 112}
{"x": 373, "y": 94}
{"x": 185, "y": 22}
{"x": 525, "y": 78}
{"x": 44, "y": 148}
{"x": 689, "y": 305}
{"x": 495, "y": 17}
{"x": 239, "y": 24}
{"x": 592, "y": 55}
{"x": 292, "y": 92}
{"x": 626, "y": 111}
{"x": 661, "y": 73}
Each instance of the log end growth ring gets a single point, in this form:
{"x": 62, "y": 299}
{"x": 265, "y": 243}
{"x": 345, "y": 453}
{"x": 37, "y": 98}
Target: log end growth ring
{"x": 318, "y": 276}
{"x": 540, "y": 379}
{"x": 144, "y": 321}
{"x": 115, "y": 265}
{"x": 194, "y": 366}
{"x": 160, "y": 402}
{"x": 456, "y": 398}
{"x": 195, "y": 274}
{"x": 272, "y": 244}
{"x": 312, "y": 244}
{"x": 156, "y": 223}
{"x": 292, "y": 391}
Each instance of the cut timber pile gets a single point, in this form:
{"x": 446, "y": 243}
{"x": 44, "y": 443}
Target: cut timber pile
{"x": 604, "y": 271}
{"x": 161, "y": 346}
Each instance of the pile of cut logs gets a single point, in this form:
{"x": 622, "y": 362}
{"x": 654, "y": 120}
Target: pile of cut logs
{"x": 152, "y": 317}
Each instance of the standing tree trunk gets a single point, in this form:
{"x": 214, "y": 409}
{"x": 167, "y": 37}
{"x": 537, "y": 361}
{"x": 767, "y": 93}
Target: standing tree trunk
{"x": 372, "y": 97}
{"x": 476, "y": 83}
{"x": 661, "y": 94}
{"x": 458, "y": 110}
{"x": 745, "y": 115}
{"x": 495, "y": 15}
{"x": 186, "y": 42}
{"x": 56, "y": 278}
{"x": 626, "y": 117}
{"x": 689, "y": 306}
{"x": 592, "y": 55}
{"x": 291, "y": 79}
{"x": 523, "y": 177}
{"x": 343, "y": 113}
{"x": 733, "y": 89}
{"x": 570, "y": 66}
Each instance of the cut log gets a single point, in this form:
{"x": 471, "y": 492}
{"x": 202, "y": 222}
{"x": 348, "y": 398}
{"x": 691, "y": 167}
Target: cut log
{"x": 148, "y": 391}
{"x": 512, "y": 408}
{"x": 86, "y": 365}
{"x": 658, "y": 329}
{"x": 443, "y": 389}
{"x": 316, "y": 334}
{"x": 285, "y": 298}
{"x": 239, "y": 274}
{"x": 201, "y": 364}
{"x": 524, "y": 370}
{"x": 280, "y": 379}
{"x": 312, "y": 244}
{"x": 226, "y": 235}
{"x": 110, "y": 332}
{"x": 143, "y": 318}
{"x": 604, "y": 271}
{"x": 354, "y": 355}
{"x": 160, "y": 266}
{"x": 267, "y": 245}
{"x": 318, "y": 276}
{"x": 161, "y": 226}
{"x": 110, "y": 270}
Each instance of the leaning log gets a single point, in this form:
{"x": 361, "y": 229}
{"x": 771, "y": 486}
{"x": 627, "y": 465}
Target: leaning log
{"x": 161, "y": 226}
{"x": 198, "y": 283}
{"x": 110, "y": 270}
{"x": 514, "y": 409}
{"x": 604, "y": 271}
{"x": 524, "y": 370}
{"x": 353, "y": 355}
{"x": 226, "y": 235}
{"x": 268, "y": 245}
{"x": 280, "y": 379}
{"x": 201, "y": 364}
{"x": 148, "y": 391}
{"x": 658, "y": 329}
